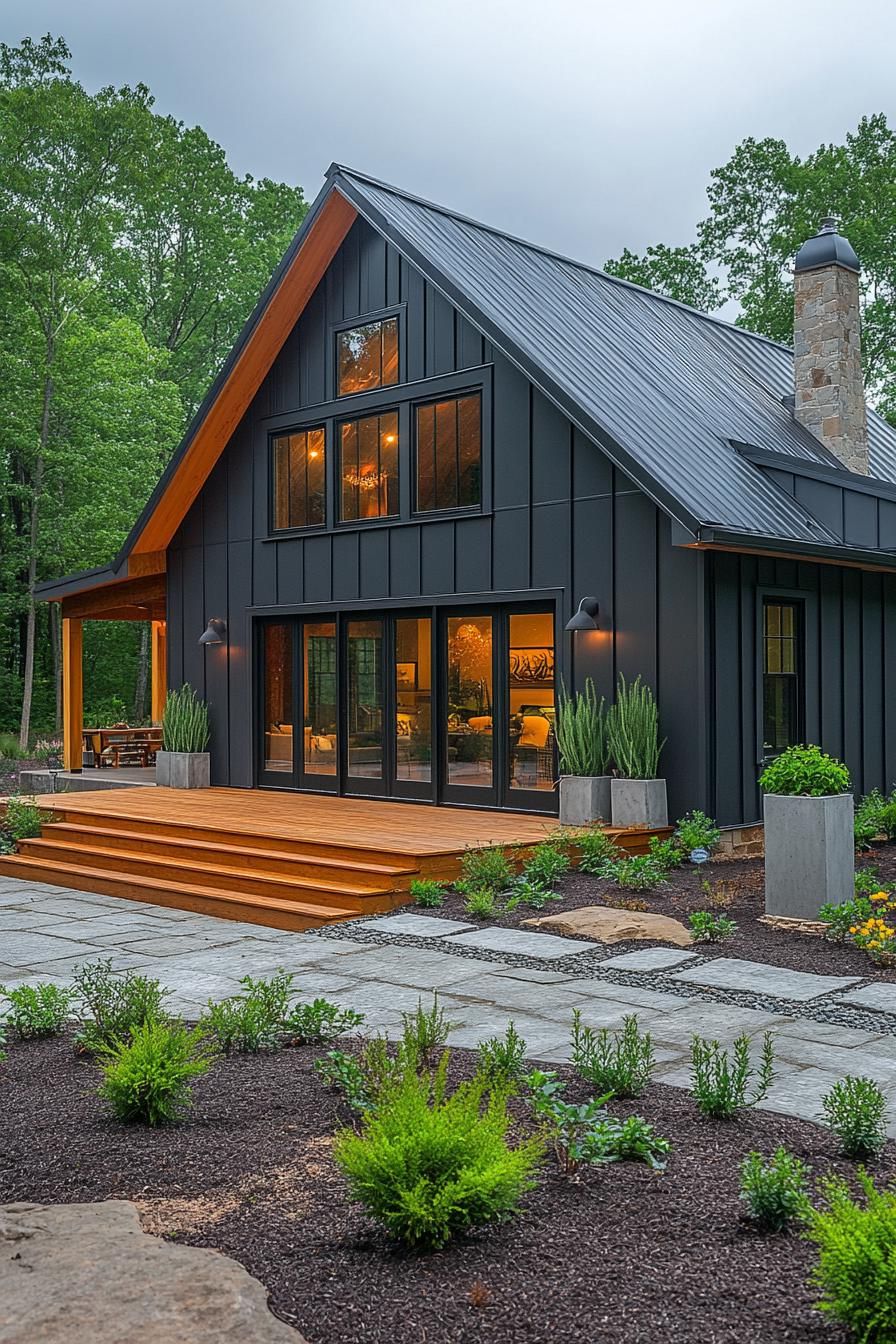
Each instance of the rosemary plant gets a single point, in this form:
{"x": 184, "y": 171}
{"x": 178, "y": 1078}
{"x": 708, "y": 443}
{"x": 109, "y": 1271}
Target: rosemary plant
{"x": 581, "y": 727}
{"x": 633, "y": 731}
{"x": 185, "y": 721}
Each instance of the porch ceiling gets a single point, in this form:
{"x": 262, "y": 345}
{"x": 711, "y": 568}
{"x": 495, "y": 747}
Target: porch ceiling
{"x": 142, "y": 599}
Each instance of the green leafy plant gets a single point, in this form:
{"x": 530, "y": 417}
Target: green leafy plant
{"x": 23, "y": 819}
{"x": 485, "y": 870}
{"x": 500, "y": 1058}
{"x": 867, "y": 881}
{"x": 114, "y": 1004}
{"x": 581, "y": 727}
{"x": 633, "y": 730}
{"x": 774, "y": 1191}
{"x": 362, "y": 1076}
{"x": 586, "y": 1132}
{"x": 319, "y": 1022}
{"x": 708, "y": 927}
{"x": 147, "y": 1078}
{"x": 695, "y": 830}
{"x": 855, "y": 1110}
{"x": 185, "y": 724}
{"x": 856, "y": 1269}
{"x": 481, "y": 903}
{"x": 597, "y": 852}
{"x": 665, "y": 853}
{"x": 546, "y": 865}
{"x": 10, "y": 749}
{"x": 424, "y": 1032}
{"x": 252, "y": 1020}
{"x": 719, "y": 1080}
{"x": 805, "y": 771}
{"x": 427, "y": 893}
{"x": 620, "y": 1062}
{"x": 37, "y": 1010}
{"x": 638, "y": 872}
{"x": 842, "y": 918}
{"x": 529, "y": 891}
{"x": 875, "y": 816}
{"x": 429, "y": 1164}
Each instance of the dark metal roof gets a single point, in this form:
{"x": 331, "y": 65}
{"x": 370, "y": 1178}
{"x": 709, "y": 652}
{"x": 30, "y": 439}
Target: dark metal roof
{"x": 662, "y": 387}
{"x": 826, "y": 248}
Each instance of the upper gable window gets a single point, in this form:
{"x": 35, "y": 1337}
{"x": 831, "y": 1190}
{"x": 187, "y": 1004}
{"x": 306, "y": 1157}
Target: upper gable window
{"x": 367, "y": 356}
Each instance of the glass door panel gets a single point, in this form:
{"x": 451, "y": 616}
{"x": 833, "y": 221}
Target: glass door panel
{"x": 364, "y": 706}
{"x": 413, "y": 683}
{"x": 530, "y": 704}
{"x": 278, "y": 736}
{"x": 469, "y": 736}
{"x": 320, "y": 756}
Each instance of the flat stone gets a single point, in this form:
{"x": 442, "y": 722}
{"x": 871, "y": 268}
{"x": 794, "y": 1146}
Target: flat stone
{"x": 606, "y": 924}
{"x": 720, "y": 1022}
{"x": 880, "y": 998}
{"x": 421, "y": 926}
{"x": 520, "y": 943}
{"x": 755, "y": 977}
{"x": 77, "y": 1272}
{"x": 648, "y": 959}
{"x": 629, "y": 996}
{"x": 552, "y": 1001}
{"x": 37, "y": 949}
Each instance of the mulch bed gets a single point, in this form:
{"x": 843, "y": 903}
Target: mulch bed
{"x": 624, "y": 1254}
{"x": 738, "y": 887}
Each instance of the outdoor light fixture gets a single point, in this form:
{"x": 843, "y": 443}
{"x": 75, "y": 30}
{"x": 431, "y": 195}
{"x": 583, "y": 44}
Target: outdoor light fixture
{"x": 215, "y": 632}
{"x": 586, "y": 616}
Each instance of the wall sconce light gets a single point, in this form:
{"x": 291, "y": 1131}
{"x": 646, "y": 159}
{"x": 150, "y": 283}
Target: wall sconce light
{"x": 586, "y": 616}
{"x": 215, "y": 632}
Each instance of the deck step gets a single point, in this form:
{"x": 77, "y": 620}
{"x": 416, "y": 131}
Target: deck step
{"x": 271, "y": 911}
{"x": 235, "y": 857}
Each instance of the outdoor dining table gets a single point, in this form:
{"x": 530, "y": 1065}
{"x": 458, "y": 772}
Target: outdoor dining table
{"x": 99, "y": 740}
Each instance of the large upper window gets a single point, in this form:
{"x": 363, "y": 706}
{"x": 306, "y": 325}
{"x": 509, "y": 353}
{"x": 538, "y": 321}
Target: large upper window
{"x": 368, "y": 467}
{"x": 782, "y": 690}
{"x": 449, "y": 454}
{"x": 300, "y": 479}
{"x": 367, "y": 356}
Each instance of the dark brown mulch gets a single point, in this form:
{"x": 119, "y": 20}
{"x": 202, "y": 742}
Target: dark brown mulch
{"x": 625, "y": 1254}
{"x": 737, "y": 891}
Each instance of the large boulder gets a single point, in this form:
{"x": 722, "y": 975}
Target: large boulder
{"x": 609, "y": 925}
{"x": 79, "y": 1273}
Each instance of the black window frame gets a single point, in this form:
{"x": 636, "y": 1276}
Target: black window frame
{"x": 293, "y": 528}
{"x": 338, "y": 425}
{"x": 337, "y": 329}
{"x": 450, "y": 510}
{"x": 797, "y": 602}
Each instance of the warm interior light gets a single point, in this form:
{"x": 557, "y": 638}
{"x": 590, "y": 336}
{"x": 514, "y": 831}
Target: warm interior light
{"x": 389, "y": 438}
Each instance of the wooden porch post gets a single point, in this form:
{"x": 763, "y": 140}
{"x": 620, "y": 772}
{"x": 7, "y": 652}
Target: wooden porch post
{"x": 72, "y": 693}
{"x": 159, "y": 669}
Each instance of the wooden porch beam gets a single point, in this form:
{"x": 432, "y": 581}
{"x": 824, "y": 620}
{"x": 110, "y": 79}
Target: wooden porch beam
{"x": 159, "y": 660}
{"x": 72, "y": 693}
{"x": 145, "y": 592}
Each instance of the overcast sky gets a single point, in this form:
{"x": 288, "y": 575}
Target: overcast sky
{"x": 585, "y": 126}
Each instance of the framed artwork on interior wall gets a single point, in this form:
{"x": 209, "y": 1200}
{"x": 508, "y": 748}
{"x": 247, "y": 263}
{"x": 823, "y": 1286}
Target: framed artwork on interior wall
{"x": 406, "y": 676}
{"x": 532, "y": 667}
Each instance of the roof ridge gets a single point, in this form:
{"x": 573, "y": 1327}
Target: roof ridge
{"x": 336, "y": 168}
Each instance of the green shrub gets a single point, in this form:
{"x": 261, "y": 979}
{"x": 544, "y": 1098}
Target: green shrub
{"x": 581, "y": 728}
{"x": 719, "y": 1080}
{"x": 424, "y": 1032}
{"x": 319, "y": 1022}
{"x": 806, "y": 771}
{"x": 620, "y": 1063}
{"x": 638, "y": 872}
{"x": 856, "y": 1269}
{"x": 773, "y": 1191}
{"x": 586, "y": 1133}
{"x": 843, "y": 917}
{"x": 855, "y": 1110}
{"x": 253, "y": 1020}
{"x": 147, "y": 1078}
{"x": 37, "y": 1010}
{"x": 114, "y": 1004}
{"x": 546, "y": 865}
{"x": 427, "y": 893}
{"x": 695, "y": 830}
{"x": 24, "y": 820}
{"x": 633, "y": 731}
{"x": 363, "y": 1076}
{"x": 867, "y": 881}
{"x": 597, "y": 852}
{"x": 185, "y": 721}
{"x": 529, "y": 891}
{"x": 429, "y": 1164}
{"x": 875, "y": 816}
{"x": 707, "y": 927}
{"x": 500, "y": 1058}
{"x": 665, "y": 853}
{"x": 480, "y": 903}
{"x": 103, "y": 713}
{"x": 485, "y": 870}
{"x": 10, "y": 749}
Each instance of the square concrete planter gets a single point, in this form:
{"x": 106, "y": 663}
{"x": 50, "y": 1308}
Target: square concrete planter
{"x": 584, "y": 799}
{"x": 639, "y": 804}
{"x": 810, "y": 853}
{"x": 183, "y": 769}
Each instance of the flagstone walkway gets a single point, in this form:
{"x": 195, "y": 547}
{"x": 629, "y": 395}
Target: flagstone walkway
{"x": 824, "y": 1026}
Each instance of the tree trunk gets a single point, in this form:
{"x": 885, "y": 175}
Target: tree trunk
{"x": 37, "y": 485}
{"x": 142, "y": 674}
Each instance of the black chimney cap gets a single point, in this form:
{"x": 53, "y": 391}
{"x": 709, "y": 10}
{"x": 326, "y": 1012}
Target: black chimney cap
{"x": 827, "y": 248}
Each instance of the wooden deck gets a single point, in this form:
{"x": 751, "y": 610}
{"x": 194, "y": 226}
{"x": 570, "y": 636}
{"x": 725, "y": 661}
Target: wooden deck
{"x": 282, "y": 859}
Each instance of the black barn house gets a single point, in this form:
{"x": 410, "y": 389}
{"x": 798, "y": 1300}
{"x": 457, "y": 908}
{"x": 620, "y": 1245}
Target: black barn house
{"x": 433, "y": 440}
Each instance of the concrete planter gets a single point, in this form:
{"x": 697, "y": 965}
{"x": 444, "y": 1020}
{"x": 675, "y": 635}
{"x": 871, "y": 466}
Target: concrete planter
{"x": 584, "y": 799}
{"x": 810, "y": 856}
{"x": 639, "y": 804}
{"x": 183, "y": 769}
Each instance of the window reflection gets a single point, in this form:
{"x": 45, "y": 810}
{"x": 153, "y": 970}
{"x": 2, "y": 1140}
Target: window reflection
{"x": 470, "y": 741}
{"x": 530, "y": 699}
{"x": 449, "y": 454}
{"x": 368, "y": 466}
{"x": 300, "y": 479}
{"x": 413, "y": 699}
{"x": 368, "y": 356}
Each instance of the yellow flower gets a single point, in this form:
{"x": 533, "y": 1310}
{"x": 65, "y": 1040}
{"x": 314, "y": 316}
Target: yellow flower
{"x": 879, "y": 896}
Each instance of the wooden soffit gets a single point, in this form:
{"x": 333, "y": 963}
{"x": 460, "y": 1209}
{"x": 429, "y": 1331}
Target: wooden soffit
{"x": 140, "y": 599}
{"x": 296, "y": 286}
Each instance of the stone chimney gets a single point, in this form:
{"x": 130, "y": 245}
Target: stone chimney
{"x": 830, "y": 393}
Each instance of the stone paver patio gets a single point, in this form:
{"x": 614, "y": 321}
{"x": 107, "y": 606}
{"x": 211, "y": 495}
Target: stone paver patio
{"x": 484, "y": 977}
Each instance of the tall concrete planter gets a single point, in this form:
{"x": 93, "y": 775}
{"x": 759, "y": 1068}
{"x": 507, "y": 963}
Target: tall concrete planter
{"x": 810, "y": 857}
{"x": 183, "y": 769}
{"x": 639, "y": 804}
{"x": 584, "y": 799}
